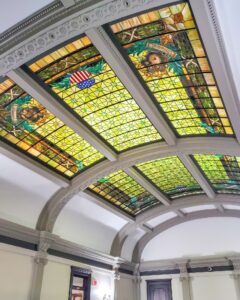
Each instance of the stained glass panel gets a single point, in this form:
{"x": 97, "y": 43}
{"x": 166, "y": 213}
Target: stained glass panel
{"x": 84, "y": 81}
{"x": 223, "y": 171}
{"x": 170, "y": 176}
{"x": 165, "y": 47}
{"x": 26, "y": 124}
{"x": 124, "y": 192}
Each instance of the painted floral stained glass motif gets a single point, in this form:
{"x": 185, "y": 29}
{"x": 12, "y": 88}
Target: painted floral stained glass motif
{"x": 81, "y": 78}
{"x": 223, "y": 171}
{"x": 170, "y": 176}
{"x": 124, "y": 192}
{"x": 165, "y": 48}
{"x": 26, "y": 124}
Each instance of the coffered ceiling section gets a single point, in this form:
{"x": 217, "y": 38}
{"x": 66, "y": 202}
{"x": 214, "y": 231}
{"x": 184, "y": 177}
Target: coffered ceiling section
{"x": 28, "y": 126}
{"x": 170, "y": 176}
{"x": 167, "y": 58}
{"x": 223, "y": 171}
{"x": 80, "y": 78}
{"x": 124, "y": 192}
{"x": 165, "y": 49}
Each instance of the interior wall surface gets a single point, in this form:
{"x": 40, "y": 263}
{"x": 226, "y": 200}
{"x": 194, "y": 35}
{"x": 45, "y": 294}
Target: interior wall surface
{"x": 209, "y": 286}
{"x": 16, "y": 272}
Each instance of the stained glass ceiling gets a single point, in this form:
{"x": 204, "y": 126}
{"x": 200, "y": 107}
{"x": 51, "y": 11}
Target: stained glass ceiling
{"x": 170, "y": 176}
{"x": 222, "y": 171}
{"x": 124, "y": 192}
{"x": 165, "y": 49}
{"x": 165, "y": 52}
{"x": 80, "y": 77}
{"x": 27, "y": 125}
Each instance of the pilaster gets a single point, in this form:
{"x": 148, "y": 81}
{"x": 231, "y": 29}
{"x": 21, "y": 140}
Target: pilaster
{"x": 185, "y": 280}
{"x": 46, "y": 239}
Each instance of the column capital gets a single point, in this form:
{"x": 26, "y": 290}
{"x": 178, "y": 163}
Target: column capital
{"x": 235, "y": 260}
{"x": 182, "y": 265}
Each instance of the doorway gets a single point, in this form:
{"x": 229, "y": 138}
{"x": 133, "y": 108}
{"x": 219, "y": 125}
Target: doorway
{"x": 159, "y": 289}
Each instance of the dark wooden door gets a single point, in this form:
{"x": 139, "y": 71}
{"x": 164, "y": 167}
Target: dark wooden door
{"x": 159, "y": 290}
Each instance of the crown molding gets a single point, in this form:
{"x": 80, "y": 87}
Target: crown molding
{"x": 67, "y": 24}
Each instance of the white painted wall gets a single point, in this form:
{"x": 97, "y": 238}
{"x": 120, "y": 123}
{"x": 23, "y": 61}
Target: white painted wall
{"x": 213, "y": 287}
{"x": 210, "y": 236}
{"x": 16, "y": 270}
{"x": 84, "y": 222}
{"x": 15, "y": 273}
{"x": 23, "y": 193}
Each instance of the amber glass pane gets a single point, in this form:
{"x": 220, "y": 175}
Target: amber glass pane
{"x": 29, "y": 126}
{"x": 223, "y": 171}
{"x": 170, "y": 176}
{"x": 124, "y": 192}
{"x": 165, "y": 48}
{"x": 85, "y": 82}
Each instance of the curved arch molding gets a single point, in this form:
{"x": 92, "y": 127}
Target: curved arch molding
{"x": 201, "y": 145}
{"x": 137, "y": 252}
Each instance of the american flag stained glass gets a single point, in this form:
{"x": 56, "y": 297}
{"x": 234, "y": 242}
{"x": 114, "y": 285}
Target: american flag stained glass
{"x": 165, "y": 48}
{"x": 29, "y": 126}
{"x": 81, "y": 78}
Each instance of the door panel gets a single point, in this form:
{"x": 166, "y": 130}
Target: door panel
{"x": 159, "y": 290}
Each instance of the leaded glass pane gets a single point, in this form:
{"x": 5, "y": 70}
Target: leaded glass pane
{"x": 124, "y": 192}
{"x": 170, "y": 176}
{"x": 223, "y": 171}
{"x": 81, "y": 78}
{"x": 165, "y": 48}
{"x": 29, "y": 126}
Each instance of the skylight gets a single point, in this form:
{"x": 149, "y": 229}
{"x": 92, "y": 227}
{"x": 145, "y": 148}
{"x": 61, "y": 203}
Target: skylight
{"x": 26, "y": 124}
{"x": 165, "y": 49}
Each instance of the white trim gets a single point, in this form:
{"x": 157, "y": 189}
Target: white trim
{"x": 202, "y": 181}
{"x": 147, "y": 185}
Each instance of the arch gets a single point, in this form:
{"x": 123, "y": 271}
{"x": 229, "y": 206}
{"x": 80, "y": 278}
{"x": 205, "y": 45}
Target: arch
{"x": 137, "y": 252}
{"x": 119, "y": 239}
{"x": 197, "y": 145}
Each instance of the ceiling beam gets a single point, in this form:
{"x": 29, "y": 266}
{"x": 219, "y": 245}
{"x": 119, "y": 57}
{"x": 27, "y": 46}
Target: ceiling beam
{"x": 196, "y": 173}
{"x": 32, "y": 164}
{"x": 33, "y": 88}
{"x": 147, "y": 185}
{"x": 123, "y": 71}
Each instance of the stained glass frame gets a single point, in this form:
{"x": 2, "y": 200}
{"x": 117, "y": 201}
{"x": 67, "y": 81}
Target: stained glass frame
{"x": 124, "y": 192}
{"x": 28, "y": 131}
{"x": 47, "y": 88}
{"x": 184, "y": 190}
{"x": 113, "y": 37}
{"x": 218, "y": 162}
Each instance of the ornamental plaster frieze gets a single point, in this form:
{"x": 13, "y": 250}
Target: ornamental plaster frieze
{"x": 69, "y": 27}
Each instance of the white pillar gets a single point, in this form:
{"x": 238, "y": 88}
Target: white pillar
{"x": 185, "y": 281}
{"x": 116, "y": 280}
